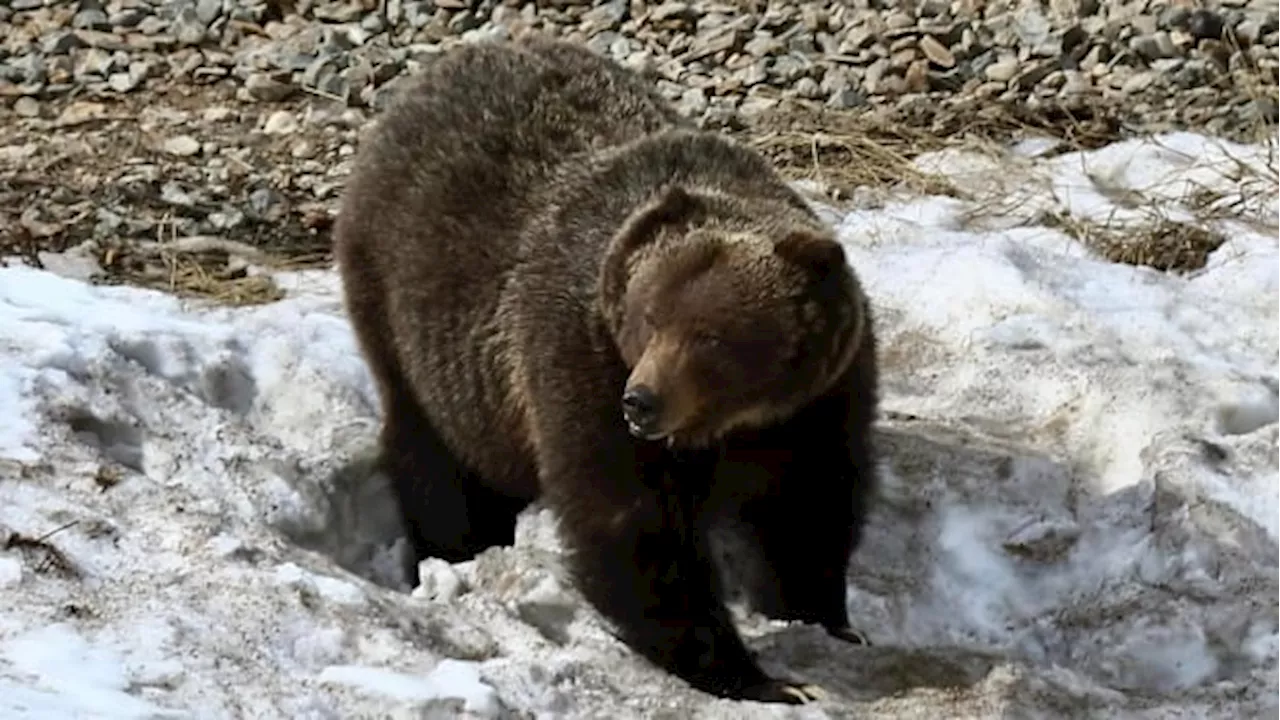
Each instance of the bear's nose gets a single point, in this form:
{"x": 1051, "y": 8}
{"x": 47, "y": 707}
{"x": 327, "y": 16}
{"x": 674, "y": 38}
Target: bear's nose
{"x": 641, "y": 407}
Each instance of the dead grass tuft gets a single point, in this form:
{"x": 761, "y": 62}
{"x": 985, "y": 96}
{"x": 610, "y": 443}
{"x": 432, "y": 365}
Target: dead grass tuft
{"x": 1164, "y": 244}
{"x": 844, "y": 151}
{"x": 44, "y": 554}
{"x": 198, "y": 267}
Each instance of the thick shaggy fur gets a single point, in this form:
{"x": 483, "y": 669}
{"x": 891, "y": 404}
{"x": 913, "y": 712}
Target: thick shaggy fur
{"x": 529, "y": 233}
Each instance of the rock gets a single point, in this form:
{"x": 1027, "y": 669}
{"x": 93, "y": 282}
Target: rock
{"x": 280, "y": 122}
{"x": 1138, "y": 82}
{"x": 898, "y": 20}
{"x": 1248, "y": 32}
{"x": 182, "y": 146}
{"x": 858, "y": 38}
{"x": 1205, "y": 24}
{"x": 916, "y": 78}
{"x": 710, "y": 43}
{"x": 27, "y": 107}
{"x": 1032, "y": 73}
{"x": 1156, "y": 45}
{"x": 187, "y": 27}
{"x": 809, "y": 88}
{"x": 1075, "y": 83}
{"x": 754, "y": 105}
{"x": 875, "y": 72}
{"x": 440, "y": 582}
{"x": 1002, "y": 70}
{"x": 91, "y": 19}
{"x": 208, "y": 10}
{"x": 1043, "y": 540}
{"x": 608, "y": 15}
{"x": 549, "y": 608}
{"x": 846, "y": 98}
{"x": 122, "y": 82}
{"x": 937, "y": 53}
{"x": 261, "y": 86}
{"x": 692, "y": 103}
{"x": 61, "y": 43}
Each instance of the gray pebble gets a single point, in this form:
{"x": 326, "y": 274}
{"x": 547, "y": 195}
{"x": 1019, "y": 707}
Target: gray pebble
{"x": 261, "y": 86}
{"x": 61, "y": 43}
{"x": 188, "y": 28}
{"x": 27, "y": 69}
{"x": 182, "y": 146}
{"x": 692, "y": 103}
{"x": 1002, "y": 70}
{"x": 280, "y": 122}
{"x": 1205, "y": 24}
{"x": 91, "y": 19}
{"x": 1138, "y": 82}
{"x": 152, "y": 25}
{"x": 26, "y": 107}
{"x": 126, "y": 18}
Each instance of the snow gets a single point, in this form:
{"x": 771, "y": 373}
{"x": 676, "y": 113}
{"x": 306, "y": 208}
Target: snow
{"x": 1080, "y": 515}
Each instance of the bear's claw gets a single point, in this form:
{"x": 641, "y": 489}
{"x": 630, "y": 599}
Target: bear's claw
{"x": 849, "y": 635}
{"x": 781, "y": 691}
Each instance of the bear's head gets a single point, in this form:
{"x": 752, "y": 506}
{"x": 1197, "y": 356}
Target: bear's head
{"x": 729, "y": 314}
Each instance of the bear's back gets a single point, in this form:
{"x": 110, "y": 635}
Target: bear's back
{"x": 460, "y": 157}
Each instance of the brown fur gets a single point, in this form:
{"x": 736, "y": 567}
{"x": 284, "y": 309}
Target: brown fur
{"x": 528, "y": 233}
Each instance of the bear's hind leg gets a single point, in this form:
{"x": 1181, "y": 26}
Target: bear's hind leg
{"x": 446, "y": 509}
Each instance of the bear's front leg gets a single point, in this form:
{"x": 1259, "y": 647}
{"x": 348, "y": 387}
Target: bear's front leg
{"x": 806, "y": 527}
{"x": 636, "y": 556}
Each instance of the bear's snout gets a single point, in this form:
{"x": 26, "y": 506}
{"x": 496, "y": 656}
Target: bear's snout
{"x": 642, "y": 409}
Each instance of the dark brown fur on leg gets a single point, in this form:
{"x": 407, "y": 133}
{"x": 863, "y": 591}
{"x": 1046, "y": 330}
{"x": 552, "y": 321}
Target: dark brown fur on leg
{"x": 639, "y": 554}
{"x": 447, "y": 511}
{"x": 820, "y": 469}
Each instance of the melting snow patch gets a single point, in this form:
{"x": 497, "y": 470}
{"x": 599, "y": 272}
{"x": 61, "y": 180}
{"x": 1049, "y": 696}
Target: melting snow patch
{"x": 449, "y": 679}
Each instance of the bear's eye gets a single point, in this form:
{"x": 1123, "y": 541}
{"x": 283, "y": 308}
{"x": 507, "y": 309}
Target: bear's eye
{"x": 707, "y": 339}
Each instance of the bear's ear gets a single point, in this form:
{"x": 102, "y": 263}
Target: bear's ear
{"x": 671, "y": 206}
{"x": 674, "y": 205}
{"x": 806, "y": 248}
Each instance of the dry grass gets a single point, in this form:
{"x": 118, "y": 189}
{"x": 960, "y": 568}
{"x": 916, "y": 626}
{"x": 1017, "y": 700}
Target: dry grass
{"x": 195, "y": 267}
{"x": 1163, "y": 244}
{"x": 844, "y": 151}
{"x": 43, "y": 554}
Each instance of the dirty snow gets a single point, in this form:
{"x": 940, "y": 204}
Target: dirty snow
{"x": 1080, "y": 515}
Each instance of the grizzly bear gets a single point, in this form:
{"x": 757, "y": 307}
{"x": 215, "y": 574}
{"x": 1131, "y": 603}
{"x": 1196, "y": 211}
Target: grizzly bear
{"x": 567, "y": 293}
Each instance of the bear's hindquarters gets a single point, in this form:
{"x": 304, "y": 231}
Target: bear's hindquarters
{"x": 446, "y": 510}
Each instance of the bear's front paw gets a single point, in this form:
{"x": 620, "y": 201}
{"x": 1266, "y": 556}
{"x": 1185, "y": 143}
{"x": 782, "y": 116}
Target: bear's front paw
{"x": 849, "y": 635}
{"x": 781, "y": 691}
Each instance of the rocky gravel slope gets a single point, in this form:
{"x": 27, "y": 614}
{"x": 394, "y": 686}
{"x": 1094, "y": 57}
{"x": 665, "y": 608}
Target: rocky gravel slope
{"x": 167, "y": 132}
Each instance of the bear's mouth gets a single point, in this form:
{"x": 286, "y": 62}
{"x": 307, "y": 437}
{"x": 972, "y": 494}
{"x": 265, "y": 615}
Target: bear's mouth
{"x": 650, "y": 434}
{"x": 671, "y": 439}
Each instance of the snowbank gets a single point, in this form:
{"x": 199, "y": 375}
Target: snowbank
{"x": 1080, "y": 515}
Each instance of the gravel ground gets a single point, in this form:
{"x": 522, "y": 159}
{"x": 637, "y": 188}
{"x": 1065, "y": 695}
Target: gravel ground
{"x": 173, "y": 143}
